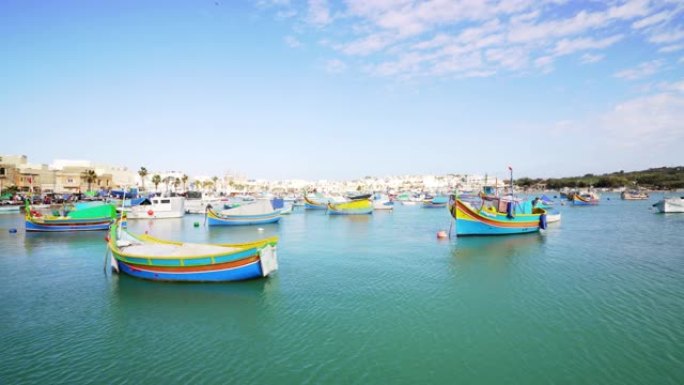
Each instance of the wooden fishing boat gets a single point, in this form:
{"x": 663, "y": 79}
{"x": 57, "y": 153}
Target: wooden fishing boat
{"x": 436, "y": 202}
{"x": 88, "y": 219}
{"x": 314, "y": 204}
{"x": 496, "y": 216}
{"x": 146, "y": 257}
{"x": 258, "y": 213}
{"x": 585, "y": 199}
{"x": 356, "y": 207}
{"x": 634, "y": 195}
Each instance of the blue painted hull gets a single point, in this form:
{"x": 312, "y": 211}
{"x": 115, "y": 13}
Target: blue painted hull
{"x": 313, "y": 207}
{"x": 464, "y": 227}
{"x": 240, "y": 273}
{"x": 242, "y": 222}
{"x": 30, "y": 226}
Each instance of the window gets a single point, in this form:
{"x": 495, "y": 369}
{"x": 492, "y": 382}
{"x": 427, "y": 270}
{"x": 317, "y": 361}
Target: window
{"x": 70, "y": 180}
{"x": 166, "y": 201}
{"x": 2, "y": 169}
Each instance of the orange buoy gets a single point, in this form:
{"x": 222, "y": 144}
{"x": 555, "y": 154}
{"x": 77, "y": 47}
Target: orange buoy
{"x": 441, "y": 234}
{"x": 150, "y": 212}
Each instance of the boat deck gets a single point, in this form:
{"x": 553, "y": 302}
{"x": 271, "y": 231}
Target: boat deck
{"x": 185, "y": 250}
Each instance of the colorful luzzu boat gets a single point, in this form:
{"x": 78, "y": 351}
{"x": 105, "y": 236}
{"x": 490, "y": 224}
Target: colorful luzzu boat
{"x": 585, "y": 199}
{"x": 311, "y": 204}
{"x": 435, "y": 203}
{"x": 495, "y": 217}
{"x": 146, "y": 257}
{"x": 355, "y": 207}
{"x": 258, "y": 213}
{"x": 86, "y": 219}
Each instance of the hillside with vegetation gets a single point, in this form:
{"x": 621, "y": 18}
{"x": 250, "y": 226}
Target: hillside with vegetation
{"x": 663, "y": 178}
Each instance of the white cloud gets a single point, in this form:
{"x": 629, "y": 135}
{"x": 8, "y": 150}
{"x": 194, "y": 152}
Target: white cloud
{"x": 335, "y": 66}
{"x": 568, "y": 46}
{"x": 652, "y": 20}
{"x": 292, "y": 42}
{"x": 588, "y": 58}
{"x": 667, "y": 37}
{"x": 671, "y": 48}
{"x": 650, "y": 120}
{"x": 367, "y": 45}
{"x": 641, "y": 71}
{"x": 319, "y": 13}
{"x": 516, "y": 36}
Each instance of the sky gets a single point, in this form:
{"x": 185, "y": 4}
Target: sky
{"x": 322, "y": 89}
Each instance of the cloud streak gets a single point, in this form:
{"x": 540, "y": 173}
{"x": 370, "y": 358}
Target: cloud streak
{"x": 412, "y": 38}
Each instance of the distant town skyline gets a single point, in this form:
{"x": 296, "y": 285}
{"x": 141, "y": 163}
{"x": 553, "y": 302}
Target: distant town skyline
{"x": 278, "y": 89}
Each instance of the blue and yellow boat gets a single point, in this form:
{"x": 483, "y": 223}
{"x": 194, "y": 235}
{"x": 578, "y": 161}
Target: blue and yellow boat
{"x": 258, "y": 213}
{"x": 496, "y": 216}
{"x": 146, "y": 257}
{"x": 435, "y": 203}
{"x": 355, "y": 207}
{"x": 585, "y": 199}
{"x": 84, "y": 219}
{"x": 315, "y": 204}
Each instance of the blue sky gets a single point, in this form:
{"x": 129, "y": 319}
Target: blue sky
{"x": 342, "y": 89}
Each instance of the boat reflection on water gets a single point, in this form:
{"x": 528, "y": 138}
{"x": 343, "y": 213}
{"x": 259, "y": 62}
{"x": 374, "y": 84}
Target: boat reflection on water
{"x": 76, "y": 241}
{"x": 497, "y": 246}
{"x": 235, "y": 304}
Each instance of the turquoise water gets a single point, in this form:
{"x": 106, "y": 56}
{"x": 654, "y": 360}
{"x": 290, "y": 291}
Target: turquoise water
{"x": 598, "y": 298}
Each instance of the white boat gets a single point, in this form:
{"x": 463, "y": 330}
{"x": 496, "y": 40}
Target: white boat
{"x": 552, "y": 217}
{"x": 670, "y": 205}
{"x": 287, "y": 209}
{"x": 9, "y": 208}
{"x": 382, "y": 202}
{"x": 158, "y": 208}
{"x": 634, "y": 195}
{"x": 199, "y": 206}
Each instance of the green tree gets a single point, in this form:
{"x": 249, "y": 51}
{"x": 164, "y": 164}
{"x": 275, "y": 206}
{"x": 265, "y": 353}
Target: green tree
{"x": 143, "y": 173}
{"x": 184, "y": 178}
{"x": 156, "y": 179}
{"x": 89, "y": 176}
{"x": 214, "y": 179}
{"x": 176, "y": 183}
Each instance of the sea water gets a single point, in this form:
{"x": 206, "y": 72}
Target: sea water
{"x": 378, "y": 299}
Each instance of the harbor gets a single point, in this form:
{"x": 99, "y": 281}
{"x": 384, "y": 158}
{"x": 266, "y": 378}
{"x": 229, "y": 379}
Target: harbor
{"x": 359, "y": 294}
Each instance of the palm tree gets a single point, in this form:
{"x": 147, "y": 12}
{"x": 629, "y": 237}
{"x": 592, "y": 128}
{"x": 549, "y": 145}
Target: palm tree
{"x": 89, "y": 176}
{"x": 156, "y": 179}
{"x": 207, "y": 183}
{"x": 184, "y": 179}
{"x": 143, "y": 173}
{"x": 214, "y": 179}
{"x": 176, "y": 183}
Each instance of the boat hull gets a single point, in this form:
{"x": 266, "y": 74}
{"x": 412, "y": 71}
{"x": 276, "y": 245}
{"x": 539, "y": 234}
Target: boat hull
{"x": 214, "y": 219}
{"x": 9, "y": 209}
{"x": 56, "y": 226}
{"x": 670, "y": 205}
{"x": 357, "y": 207}
{"x": 473, "y": 222}
{"x": 237, "y": 263}
{"x": 243, "y": 272}
{"x": 578, "y": 200}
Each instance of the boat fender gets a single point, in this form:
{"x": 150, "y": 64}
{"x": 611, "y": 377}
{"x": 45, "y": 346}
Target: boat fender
{"x": 150, "y": 212}
{"x": 542, "y": 222}
{"x": 509, "y": 210}
{"x": 13, "y": 231}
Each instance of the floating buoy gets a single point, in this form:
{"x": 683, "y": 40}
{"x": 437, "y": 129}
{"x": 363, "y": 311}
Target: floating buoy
{"x": 441, "y": 234}
{"x": 107, "y": 238}
{"x": 150, "y": 212}
{"x": 12, "y": 230}
{"x": 260, "y": 229}
{"x": 196, "y": 224}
